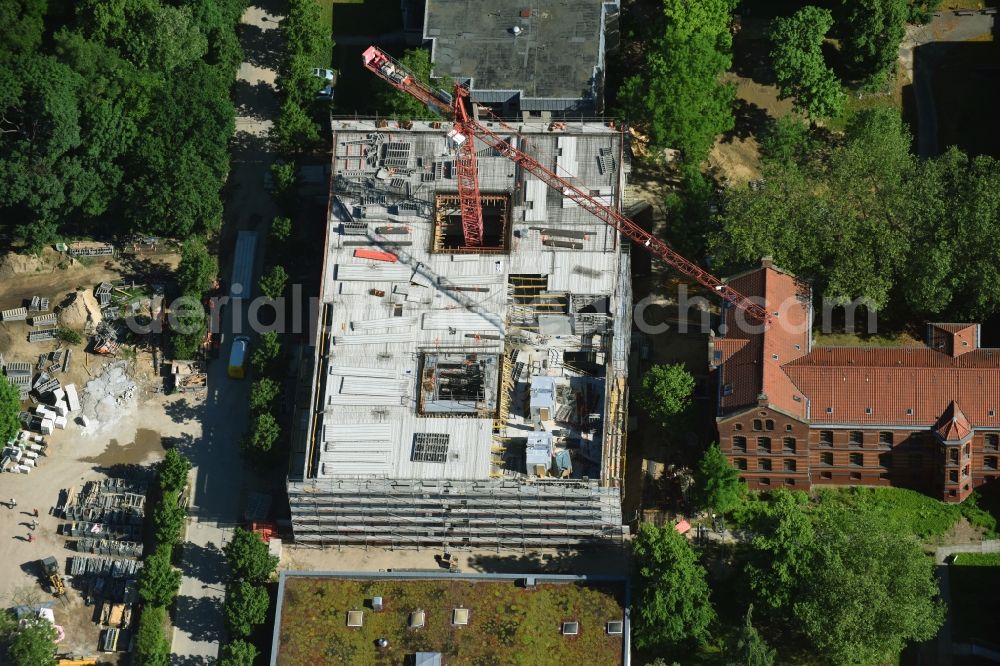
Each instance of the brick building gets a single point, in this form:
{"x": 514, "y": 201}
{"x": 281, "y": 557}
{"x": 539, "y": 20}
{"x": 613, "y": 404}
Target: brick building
{"x": 796, "y": 416}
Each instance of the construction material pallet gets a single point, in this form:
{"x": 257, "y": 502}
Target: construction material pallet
{"x": 42, "y": 335}
{"x": 103, "y": 566}
{"x": 17, "y": 368}
{"x": 15, "y": 314}
{"x": 38, "y": 304}
{"x": 109, "y": 547}
{"x": 43, "y": 320}
{"x": 101, "y": 251}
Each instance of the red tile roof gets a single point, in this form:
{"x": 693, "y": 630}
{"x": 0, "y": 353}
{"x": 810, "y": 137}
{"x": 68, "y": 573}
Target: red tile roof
{"x": 898, "y": 386}
{"x": 753, "y": 365}
{"x": 904, "y": 386}
{"x": 954, "y": 427}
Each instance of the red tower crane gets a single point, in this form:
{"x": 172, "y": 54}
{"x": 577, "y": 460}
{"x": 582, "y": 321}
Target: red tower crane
{"x": 467, "y": 129}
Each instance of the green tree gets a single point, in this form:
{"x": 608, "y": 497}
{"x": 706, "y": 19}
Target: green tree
{"x": 265, "y": 356}
{"x": 673, "y": 597}
{"x": 872, "y": 31}
{"x": 783, "y": 549}
{"x": 34, "y": 645}
{"x": 717, "y": 483}
{"x": 273, "y": 282}
{"x": 666, "y": 392}
{"x": 152, "y": 648}
{"x": 22, "y": 24}
{"x": 870, "y": 592}
{"x": 248, "y": 557}
{"x": 173, "y": 471}
{"x": 168, "y": 519}
{"x": 197, "y": 268}
{"x": 10, "y": 408}
{"x": 263, "y": 393}
{"x": 68, "y": 335}
{"x": 263, "y": 435}
{"x": 281, "y": 230}
{"x": 246, "y": 607}
{"x": 402, "y": 106}
{"x": 750, "y": 648}
{"x": 238, "y": 653}
{"x": 797, "y": 57}
{"x": 679, "y": 95}
{"x": 294, "y": 131}
{"x": 159, "y": 581}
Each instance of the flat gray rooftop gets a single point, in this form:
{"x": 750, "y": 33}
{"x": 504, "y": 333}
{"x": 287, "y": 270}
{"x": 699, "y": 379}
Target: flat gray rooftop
{"x": 557, "y": 51}
{"x": 430, "y": 349}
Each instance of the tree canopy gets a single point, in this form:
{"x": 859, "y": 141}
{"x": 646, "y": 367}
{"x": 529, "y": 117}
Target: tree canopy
{"x": 872, "y": 31}
{"x": 750, "y": 648}
{"x": 248, "y": 557}
{"x": 159, "y": 581}
{"x": 864, "y": 218}
{"x": 238, "y": 653}
{"x": 672, "y": 596}
{"x": 197, "y": 268}
{"x": 797, "y": 58}
{"x": 666, "y": 392}
{"x": 246, "y": 607}
{"x": 34, "y": 645}
{"x": 173, "y": 471}
{"x": 717, "y": 484}
{"x": 401, "y": 105}
{"x": 679, "y": 96}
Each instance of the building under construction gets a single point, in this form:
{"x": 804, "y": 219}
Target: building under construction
{"x": 466, "y": 396}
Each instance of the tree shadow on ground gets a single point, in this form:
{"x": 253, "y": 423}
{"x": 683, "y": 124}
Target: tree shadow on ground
{"x": 205, "y": 564}
{"x": 751, "y": 120}
{"x": 751, "y": 57}
{"x": 182, "y": 411}
{"x": 247, "y": 148}
{"x": 190, "y": 660}
{"x": 199, "y": 618}
{"x": 254, "y": 100}
{"x": 261, "y": 48}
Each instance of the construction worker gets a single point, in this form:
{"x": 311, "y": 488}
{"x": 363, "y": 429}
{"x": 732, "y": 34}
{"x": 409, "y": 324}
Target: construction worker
{"x": 36, "y": 513}
{"x": 13, "y": 502}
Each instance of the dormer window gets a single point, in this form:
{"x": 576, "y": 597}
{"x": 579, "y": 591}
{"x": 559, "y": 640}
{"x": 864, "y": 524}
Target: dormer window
{"x": 829, "y": 410}
{"x": 868, "y": 411}
{"x": 909, "y": 411}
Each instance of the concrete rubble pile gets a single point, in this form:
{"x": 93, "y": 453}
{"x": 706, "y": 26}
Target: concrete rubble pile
{"x": 109, "y": 395}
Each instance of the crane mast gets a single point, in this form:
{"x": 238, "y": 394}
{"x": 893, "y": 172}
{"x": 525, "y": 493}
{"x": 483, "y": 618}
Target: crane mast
{"x": 458, "y": 107}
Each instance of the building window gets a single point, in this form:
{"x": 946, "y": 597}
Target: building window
{"x": 737, "y": 426}
{"x": 992, "y": 442}
{"x": 826, "y": 475}
{"x": 855, "y": 476}
{"x": 826, "y": 458}
{"x": 857, "y": 459}
{"x": 764, "y": 444}
{"x": 909, "y": 411}
{"x": 764, "y": 481}
{"x": 868, "y": 411}
{"x": 769, "y": 424}
{"x": 952, "y": 493}
{"x": 953, "y": 476}
{"x": 788, "y": 427}
{"x": 990, "y": 462}
{"x": 885, "y": 438}
{"x": 741, "y": 463}
{"x": 740, "y": 444}
{"x": 789, "y": 444}
{"x": 857, "y": 438}
{"x": 953, "y": 456}
{"x": 789, "y": 482}
{"x": 826, "y": 438}
{"x": 758, "y": 424}
{"x": 968, "y": 449}
{"x": 764, "y": 464}
{"x": 965, "y": 472}
{"x": 884, "y": 476}
{"x": 789, "y": 465}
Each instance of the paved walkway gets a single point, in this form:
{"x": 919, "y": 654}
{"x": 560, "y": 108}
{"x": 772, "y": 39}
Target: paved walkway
{"x": 217, "y": 422}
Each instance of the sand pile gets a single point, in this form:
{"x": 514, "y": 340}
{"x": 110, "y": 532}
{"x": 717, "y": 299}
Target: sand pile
{"x": 12, "y": 264}
{"x": 77, "y": 309}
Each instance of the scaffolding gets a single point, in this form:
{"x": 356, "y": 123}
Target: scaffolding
{"x": 501, "y": 514}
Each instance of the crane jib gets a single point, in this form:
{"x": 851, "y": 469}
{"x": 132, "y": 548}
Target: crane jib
{"x": 455, "y": 107}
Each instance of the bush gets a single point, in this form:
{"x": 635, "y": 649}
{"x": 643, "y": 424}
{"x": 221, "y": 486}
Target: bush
{"x": 68, "y": 335}
{"x": 281, "y": 229}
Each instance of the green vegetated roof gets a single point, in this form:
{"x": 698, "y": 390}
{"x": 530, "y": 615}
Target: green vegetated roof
{"x": 508, "y": 624}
